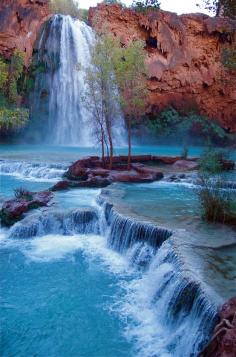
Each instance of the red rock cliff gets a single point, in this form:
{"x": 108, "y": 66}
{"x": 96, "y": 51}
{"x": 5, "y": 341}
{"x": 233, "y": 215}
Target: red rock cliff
{"x": 20, "y": 21}
{"x": 223, "y": 342}
{"x": 183, "y": 58}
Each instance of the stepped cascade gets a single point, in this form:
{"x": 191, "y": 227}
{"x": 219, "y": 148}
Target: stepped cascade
{"x": 64, "y": 51}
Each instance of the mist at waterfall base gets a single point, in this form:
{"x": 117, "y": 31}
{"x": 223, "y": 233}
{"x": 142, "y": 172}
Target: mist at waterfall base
{"x": 59, "y": 114}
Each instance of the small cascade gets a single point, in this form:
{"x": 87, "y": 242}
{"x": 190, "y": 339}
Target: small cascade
{"x": 125, "y": 232}
{"x": 39, "y": 224}
{"x": 171, "y": 309}
{"x": 32, "y": 171}
{"x": 184, "y": 315}
{"x": 64, "y": 51}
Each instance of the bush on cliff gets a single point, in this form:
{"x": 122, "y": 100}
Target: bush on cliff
{"x": 183, "y": 127}
{"x": 64, "y": 7}
{"x": 145, "y": 5}
{"x": 12, "y": 117}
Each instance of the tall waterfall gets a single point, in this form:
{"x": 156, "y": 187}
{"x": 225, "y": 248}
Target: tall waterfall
{"x": 64, "y": 50}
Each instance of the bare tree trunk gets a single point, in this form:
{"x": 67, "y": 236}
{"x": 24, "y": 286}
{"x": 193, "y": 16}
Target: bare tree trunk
{"x": 129, "y": 142}
{"x": 109, "y": 135}
{"x": 111, "y": 147}
{"x": 103, "y": 148}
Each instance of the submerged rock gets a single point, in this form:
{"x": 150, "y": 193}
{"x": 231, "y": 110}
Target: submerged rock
{"x": 223, "y": 342}
{"x": 13, "y": 210}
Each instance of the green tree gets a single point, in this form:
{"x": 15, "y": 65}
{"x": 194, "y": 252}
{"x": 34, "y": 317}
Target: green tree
{"x": 12, "y": 119}
{"x": 130, "y": 69}
{"x": 143, "y": 5}
{"x": 171, "y": 122}
{"x": 218, "y": 7}
{"x": 15, "y": 72}
{"x": 65, "y": 7}
{"x": 101, "y": 87}
{"x": 3, "y": 73}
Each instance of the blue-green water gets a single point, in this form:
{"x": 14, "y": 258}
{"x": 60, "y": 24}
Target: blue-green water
{"x": 57, "y": 295}
{"x": 73, "y": 296}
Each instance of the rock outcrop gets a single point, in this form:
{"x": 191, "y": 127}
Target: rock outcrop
{"x": 20, "y": 22}
{"x": 183, "y": 58}
{"x": 90, "y": 172}
{"x": 223, "y": 343}
{"x": 14, "y": 210}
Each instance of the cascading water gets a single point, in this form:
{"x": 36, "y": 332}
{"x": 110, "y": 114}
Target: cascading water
{"x": 64, "y": 50}
{"x": 169, "y": 312}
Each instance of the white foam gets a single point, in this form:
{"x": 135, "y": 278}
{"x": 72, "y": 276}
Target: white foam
{"x": 30, "y": 171}
{"x": 51, "y": 248}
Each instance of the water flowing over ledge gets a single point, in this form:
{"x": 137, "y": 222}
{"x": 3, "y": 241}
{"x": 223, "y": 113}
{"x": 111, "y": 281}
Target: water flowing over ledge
{"x": 182, "y": 313}
{"x": 64, "y": 49}
{"x": 32, "y": 171}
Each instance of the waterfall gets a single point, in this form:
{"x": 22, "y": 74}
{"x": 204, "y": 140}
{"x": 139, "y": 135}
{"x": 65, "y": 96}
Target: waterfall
{"x": 172, "y": 310}
{"x": 64, "y": 50}
{"x": 39, "y": 224}
{"x": 32, "y": 171}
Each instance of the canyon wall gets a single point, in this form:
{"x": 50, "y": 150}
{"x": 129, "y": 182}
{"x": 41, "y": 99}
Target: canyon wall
{"x": 183, "y": 58}
{"x": 20, "y": 22}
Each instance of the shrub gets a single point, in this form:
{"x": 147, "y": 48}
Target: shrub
{"x": 145, "y": 5}
{"x": 13, "y": 119}
{"x": 21, "y": 193}
{"x": 64, "y": 7}
{"x": 3, "y": 73}
{"x": 217, "y": 203}
{"x": 228, "y": 58}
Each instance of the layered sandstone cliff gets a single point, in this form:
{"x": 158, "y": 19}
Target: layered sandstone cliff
{"x": 183, "y": 58}
{"x": 20, "y": 21}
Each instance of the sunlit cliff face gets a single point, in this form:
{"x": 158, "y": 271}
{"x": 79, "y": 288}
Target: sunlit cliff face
{"x": 183, "y": 58}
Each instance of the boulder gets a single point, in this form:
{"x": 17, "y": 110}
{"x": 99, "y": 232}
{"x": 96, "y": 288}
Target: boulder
{"x": 14, "y": 210}
{"x": 223, "y": 342}
{"x": 185, "y": 165}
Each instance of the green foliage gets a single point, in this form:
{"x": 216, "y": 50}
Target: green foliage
{"x": 130, "y": 69}
{"x": 22, "y": 193}
{"x": 218, "y": 7}
{"x": 3, "y": 73}
{"x": 217, "y": 204}
{"x": 211, "y": 161}
{"x": 228, "y": 58}
{"x": 64, "y": 7}
{"x": 101, "y": 87}
{"x": 145, "y": 5}
{"x": 83, "y": 15}
{"x": 13, "y": 118}
{"x": 171, "y": 122}
{"x": 15, "y": 72}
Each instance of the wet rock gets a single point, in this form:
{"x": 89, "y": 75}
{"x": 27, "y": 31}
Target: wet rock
{"x": 14, "y": 210}
{"x": 186, "y": 165}
{"x": 223, "y": 342}
{"x": 90, "y": 172}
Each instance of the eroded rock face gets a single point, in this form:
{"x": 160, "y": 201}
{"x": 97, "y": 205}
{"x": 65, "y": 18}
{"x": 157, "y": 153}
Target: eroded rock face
{"x": 223, "y": 343}
{"x": 183, "y": 58}
{"x": 20, "y": 21}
